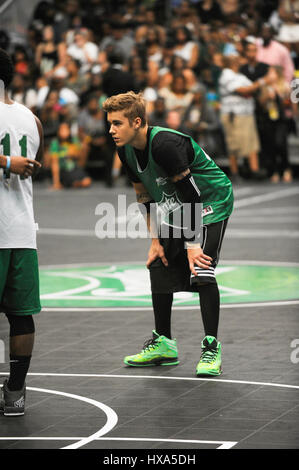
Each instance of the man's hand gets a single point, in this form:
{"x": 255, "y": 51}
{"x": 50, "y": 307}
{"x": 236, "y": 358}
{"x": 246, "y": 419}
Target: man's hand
{"x": 197, "y": 257}
{"x": 23, "y": 166}
{"x": 156, "y": 251}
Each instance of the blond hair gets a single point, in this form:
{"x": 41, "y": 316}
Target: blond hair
{"x": 133, "y": 105}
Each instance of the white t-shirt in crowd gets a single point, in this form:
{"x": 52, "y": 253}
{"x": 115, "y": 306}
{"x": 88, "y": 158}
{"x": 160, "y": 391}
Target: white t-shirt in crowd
{"x": 232, "y": 102}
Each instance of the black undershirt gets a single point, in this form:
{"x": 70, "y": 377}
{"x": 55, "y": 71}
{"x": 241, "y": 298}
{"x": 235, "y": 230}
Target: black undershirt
{"x": 172, "y": 152}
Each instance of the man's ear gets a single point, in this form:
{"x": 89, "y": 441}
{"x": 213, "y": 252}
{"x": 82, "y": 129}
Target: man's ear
{"x": 137, "y": 123}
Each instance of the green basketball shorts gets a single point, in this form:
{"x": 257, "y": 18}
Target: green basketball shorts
{"x": 19, "y": 281}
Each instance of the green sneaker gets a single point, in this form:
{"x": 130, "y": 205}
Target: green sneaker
{"x": 210, "y": 359}
{"x": 158, "y": 351}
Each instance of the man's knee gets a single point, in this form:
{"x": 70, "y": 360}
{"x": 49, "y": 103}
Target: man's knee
{"x": 21, "y": 325}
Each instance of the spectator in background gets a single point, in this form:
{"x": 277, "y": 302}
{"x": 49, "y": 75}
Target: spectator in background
{"x": 272, "y": 52}
{"x": 153, "y": 45}
{"x": 288, "y": 12}
{"x": 231, "y": 11}
{"x": 255, "y": 70}
{"x": 275, "y": 102}
{"x": 118, "y": 41}
{"x": 66, "y": 161}
{"x": 174, "y": 121}
{"x": 150, "y": 22}
{"x": 94, "y": 89}
{"x": 75, "y": 81}
{"x": 184, "y": 15}
{"x": 138, "y": 68}
{"x": 158, "y": 116}
{"x": 67, "y": 97}
{"x": 21, "y": 61}
{"x": 185, "y": 47}
{"x": 49, "y": 56}
{"x": 132, "y": 10}
{"x": 177, "y": 65}
{"x": 208, "y": 11}
{"x": 115, "y": 79}
{"x": 203, "y": 124}
{"x": 51, "y": 114}
{"x": 177, "y": 96}
{"x": 83, "y": 50}
{"x": 64, "y": 20}
{"x": 20, "y": 92}
{"x": 237, "y": 116}
{"x": 92, "y": 133}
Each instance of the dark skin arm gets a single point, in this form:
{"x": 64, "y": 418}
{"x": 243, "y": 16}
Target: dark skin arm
{"x": 40, "y": 152}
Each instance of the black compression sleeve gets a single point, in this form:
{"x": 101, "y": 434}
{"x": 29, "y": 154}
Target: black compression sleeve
{"x": 188, "y": 189}
{"x": 190, "y": 196}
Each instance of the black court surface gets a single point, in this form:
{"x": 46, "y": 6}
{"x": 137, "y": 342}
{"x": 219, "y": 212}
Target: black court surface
{"x": 80, "y": 395}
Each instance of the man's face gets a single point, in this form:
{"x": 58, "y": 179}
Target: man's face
{"x": 251, "y": 51}
{"x": 121, "y": 130}
{"x": 93, "y": 106}
{"x": 266, "y": 35}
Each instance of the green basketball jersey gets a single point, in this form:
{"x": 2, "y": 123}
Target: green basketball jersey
{"x": 214, "y": 186}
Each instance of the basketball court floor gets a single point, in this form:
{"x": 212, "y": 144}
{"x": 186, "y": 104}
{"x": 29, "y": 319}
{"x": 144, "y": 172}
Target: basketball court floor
{"x": 97, "y": 309}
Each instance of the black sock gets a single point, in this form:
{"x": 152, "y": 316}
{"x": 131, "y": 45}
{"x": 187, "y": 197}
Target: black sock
{"x": 19, "y": 366}
{"x": 209, "y": 305}
{"x": 162, "y": 304}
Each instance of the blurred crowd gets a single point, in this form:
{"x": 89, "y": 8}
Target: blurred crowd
{"x": 223, "y": 71}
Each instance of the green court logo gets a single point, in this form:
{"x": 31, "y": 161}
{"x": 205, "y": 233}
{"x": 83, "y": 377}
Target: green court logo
{"x": 129, "y": 285}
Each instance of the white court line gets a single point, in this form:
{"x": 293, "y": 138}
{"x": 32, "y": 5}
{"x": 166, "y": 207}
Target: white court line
{"x": 239, "y": 219}
{"x": 115, "y": 235}
{"x": 222, "y": 444}
{"x": 256, "y": 233}
{"x": 142, "y": 263}
{"x": 111, "y": 422}
{"x": 279, "y": 303}
{"x": 279, "y": 210}
{"x": 98, "y": 434}
{"x": 243, "y": 191}
{"x": 155, "y": 377}
{"x": 68, "y": 232}
{"x": 261, "y": 198}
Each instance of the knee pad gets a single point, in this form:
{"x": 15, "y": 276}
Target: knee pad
{"x": 21, "y": 325}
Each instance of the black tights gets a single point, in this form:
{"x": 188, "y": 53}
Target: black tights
{"x": 209, "y": 305}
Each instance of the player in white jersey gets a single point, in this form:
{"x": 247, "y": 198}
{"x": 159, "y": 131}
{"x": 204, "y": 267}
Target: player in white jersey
{"x": 21, "y": 147}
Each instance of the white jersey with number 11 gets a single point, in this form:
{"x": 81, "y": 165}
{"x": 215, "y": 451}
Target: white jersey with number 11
{"x": 19, "y": 136}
